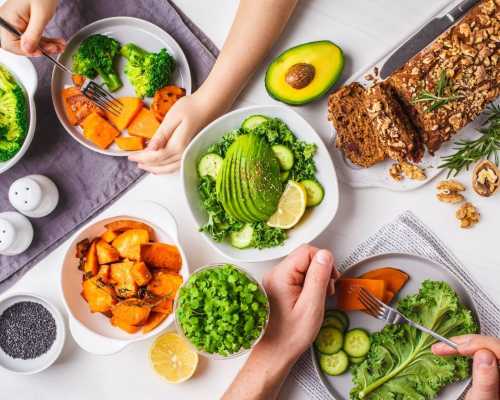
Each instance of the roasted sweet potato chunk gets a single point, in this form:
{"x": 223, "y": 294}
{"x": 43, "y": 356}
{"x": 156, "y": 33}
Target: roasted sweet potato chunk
{"x": 153, "y": 321}
{"x": 162, "y": 256}
{"x": 99, "y": 296}
{"x": 106, "y": 253}
{"x": 165, "y": 306}
{"x": 165, "y": 284}
{"x": 91, "y": 265}
{"x": 121, "y": 277}
{"x": 109, "y": 236}
{"x": 104, "y": 274}
{"x": 129, "y": 243}
{"x": 140, "y": 273}
{"x": 124, "y": 326}
{"x": 123, "y": 225}
{"x": 131, "y": 312}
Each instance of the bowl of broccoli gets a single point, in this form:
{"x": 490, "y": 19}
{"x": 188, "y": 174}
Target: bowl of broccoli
{"x": 17, "y": 108}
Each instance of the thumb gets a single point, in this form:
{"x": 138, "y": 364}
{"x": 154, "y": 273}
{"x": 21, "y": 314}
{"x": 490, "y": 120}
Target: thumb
{"x": 36, "y": 25}
{"x": 163, "y": 134}
{"x": 317, "y": 280}
{"x": 485, "y": 384}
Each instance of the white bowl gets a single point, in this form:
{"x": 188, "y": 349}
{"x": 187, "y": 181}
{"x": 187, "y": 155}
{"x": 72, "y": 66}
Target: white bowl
{"x": 29, "y": 367}
{"x": 317, "y": 219}
{"x": 93, "y": 331}
{"x": 24, "y": 71}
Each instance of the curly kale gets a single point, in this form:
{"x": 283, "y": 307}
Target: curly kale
{"x": 400, "y": 364}
{"x": 147, "y": 72}
{"x": 96, "y": 56}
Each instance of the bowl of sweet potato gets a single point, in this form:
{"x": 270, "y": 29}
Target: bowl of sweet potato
{"x": 120, "y": 277}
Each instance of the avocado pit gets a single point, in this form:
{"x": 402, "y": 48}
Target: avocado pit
{"x": 300, "y": 75}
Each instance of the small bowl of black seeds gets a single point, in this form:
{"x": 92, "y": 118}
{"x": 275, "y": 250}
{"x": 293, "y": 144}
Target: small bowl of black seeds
{"x": 32, "y": 334}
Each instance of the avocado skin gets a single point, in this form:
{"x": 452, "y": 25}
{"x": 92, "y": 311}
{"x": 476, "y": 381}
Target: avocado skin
{"x": 249, "y": 186}
{"x": 270, "y": 76}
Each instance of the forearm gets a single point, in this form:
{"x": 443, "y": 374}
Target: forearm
{"x": 257, "y": 25}
{"x": 262, "y": 375}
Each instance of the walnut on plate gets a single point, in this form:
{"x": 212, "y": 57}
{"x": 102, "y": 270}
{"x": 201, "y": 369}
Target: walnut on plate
{"x": 399, "y": 171}
{"x": 468, "y": 215}
{"x": 486, "y": 178}
{"x": 450, "y": 191}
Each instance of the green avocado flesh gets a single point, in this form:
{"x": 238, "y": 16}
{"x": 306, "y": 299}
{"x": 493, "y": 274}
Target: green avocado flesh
{"x": 289, "y": 84}
{"x": 248, "y": 185}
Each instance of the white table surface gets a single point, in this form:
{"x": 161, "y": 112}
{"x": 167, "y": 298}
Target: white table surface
{"x": 365, "y": 30}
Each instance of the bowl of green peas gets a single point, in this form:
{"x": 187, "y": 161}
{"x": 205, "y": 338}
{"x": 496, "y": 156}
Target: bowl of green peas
{"x": 222, "y": 311}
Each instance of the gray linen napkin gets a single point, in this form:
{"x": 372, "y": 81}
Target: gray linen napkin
{"x": 406, "y": 234}
{"x": 87, "y": 181}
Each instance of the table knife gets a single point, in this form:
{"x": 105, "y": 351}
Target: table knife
{"x": 424, "y": 37}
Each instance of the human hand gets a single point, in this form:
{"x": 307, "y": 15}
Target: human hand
{"x": 183, "y": 121}
{"x": 297, "y": 289}
{"x": 485, "y": 374}
{"x": 30, "y": 17}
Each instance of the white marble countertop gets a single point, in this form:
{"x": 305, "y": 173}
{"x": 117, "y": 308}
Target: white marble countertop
{"x": 365, "y": 30}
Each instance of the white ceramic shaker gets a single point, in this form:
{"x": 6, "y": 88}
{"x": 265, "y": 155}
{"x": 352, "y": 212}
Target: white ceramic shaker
{"x": 34, "y": 196}
{"x": 16, "y": 233}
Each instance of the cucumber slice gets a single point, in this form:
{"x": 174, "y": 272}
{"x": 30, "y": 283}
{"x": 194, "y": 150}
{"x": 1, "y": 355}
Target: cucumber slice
{"x": 356, "y": 360}
{"x": 243, "y": 238}
{"x": 339, "y": 314}
{"x": 315, "y": 192}
{"x": 210, "y": 164}
{"x": 334, "y": 364}
{"x": 329, "y": 340}
{"x": 334, "y": 322}
{"x": 284, "y": 156}
{"x": 284, "y": 176}
{"x": 357, "y": 343}
{"x": 253, "y": 121}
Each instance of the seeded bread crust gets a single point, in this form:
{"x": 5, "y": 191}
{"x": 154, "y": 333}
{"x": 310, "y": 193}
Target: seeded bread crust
{"x": 469, "y": 54}
{"x": 355, "y": 136}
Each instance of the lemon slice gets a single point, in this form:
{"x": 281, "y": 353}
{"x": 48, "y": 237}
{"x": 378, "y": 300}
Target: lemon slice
{"x": 291, "y": 207}
{"x": 173, "y": 358}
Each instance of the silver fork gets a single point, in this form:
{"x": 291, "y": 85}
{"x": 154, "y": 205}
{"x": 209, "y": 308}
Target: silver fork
{"x": 90, "y": 89}
{"x": 380, "y": 310}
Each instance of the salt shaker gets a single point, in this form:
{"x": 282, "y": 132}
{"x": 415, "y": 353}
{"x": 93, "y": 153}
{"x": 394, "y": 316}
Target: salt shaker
{"x": 16, "y": 233}
{"x": 34, "y": 196}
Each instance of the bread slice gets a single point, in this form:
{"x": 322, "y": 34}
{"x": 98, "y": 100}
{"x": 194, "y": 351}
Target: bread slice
{"x": 355, "y": 136}
{"x": 397, "y": 135}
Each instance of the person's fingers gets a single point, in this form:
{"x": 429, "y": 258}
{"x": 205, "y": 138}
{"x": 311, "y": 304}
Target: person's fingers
{"x": 164, "y": 133}
{"x": 468, "y": 345}
{"x": 162, "y": 169}
{"x": 39, "y": 17}
{"x": 149, "y": 157}
{"x": 485, "y": 379}
{"x": 53, "y": 45}
{"x": 293, "y": 268}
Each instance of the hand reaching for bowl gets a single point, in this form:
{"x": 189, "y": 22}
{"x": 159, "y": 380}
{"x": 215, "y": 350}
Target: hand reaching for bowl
{"x": 297, "y": 289}
{"x": 29, "y": 17}
{"x": 485, "y": 374}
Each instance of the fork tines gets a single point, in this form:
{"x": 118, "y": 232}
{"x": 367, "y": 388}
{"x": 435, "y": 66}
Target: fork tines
{"x": 102, "y": 98}
{"x": 371, "y": 303}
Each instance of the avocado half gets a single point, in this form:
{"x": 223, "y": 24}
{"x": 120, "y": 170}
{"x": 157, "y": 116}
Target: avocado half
{"x": 305, "y": 72}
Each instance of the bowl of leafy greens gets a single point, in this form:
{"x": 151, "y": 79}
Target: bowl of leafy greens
{"x": 259, "y": 182}
{"x": 18, "y": 83}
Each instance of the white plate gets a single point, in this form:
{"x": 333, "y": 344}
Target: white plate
{"x": 312, "y": 225}
{"x": 126, "y": 30}
{"x": 419, "y": 269}
{"x": 378, "y": 175}
{"x": 25, "y": 73}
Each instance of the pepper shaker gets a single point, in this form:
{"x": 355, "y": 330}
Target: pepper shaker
{"x": 16, "y": 233}
{"x": 34, "y": 196}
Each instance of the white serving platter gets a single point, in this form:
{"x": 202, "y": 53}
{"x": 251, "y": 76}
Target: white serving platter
{"x": 378, "y": 175}
{"x": 126, "y": 30}
{"x": 419, "y": 269}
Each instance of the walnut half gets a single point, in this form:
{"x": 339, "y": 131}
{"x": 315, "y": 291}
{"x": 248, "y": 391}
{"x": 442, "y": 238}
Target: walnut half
{"x": 486, "y": 178}
{"x": 449, "y": 192}
{"x": 468, "y": 215}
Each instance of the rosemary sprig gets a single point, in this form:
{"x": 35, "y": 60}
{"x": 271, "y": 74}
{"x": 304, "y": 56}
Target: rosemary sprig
{"x": 437, "y": 99}
{"x": 486, "y": 146}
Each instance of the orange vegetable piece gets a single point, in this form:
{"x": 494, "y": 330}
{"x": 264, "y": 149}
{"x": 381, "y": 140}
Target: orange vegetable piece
{"x": 91, "y": 265}
{"x": 394, "y": 280}
{"x": 109, "y": 236}
{"x": 131, "y": 312}
{"x": 165, "y": 284}
{"x": 161, "y": 255}
{"x": 99, "y": 296}
{"x": 106, "y": 253}
{"x": 130, "y": 143}
{"x": 123, "y": 225}
{"x": 76, "y": 106}
{"x": 129, "y": 243}
{"x": 347, "y": 290}
{"x": 124, "y": 326}
{"x": 153, "y": 321}
{"x": 99, "y": 131}
{"x": 165, "y": 306}
{"x": 144, "y": 124}
{"x": 78, "y": 80}
{"x": 121, "y": 277}
{"x": 103, "y": 274}
{"x": 140, "y": 273}
{"x": 130, "y": 108}
{"x": 164, "y": 99}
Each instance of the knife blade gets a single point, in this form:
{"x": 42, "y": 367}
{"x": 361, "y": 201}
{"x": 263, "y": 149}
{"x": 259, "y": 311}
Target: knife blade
{"x": 424, "y": 37}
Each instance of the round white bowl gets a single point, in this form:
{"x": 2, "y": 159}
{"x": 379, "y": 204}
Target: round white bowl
{"x": 93, "y": 331}
{"x": 316, "y": 220}
{"x": 24, "y": 71}
{"x": 29, "y": 367}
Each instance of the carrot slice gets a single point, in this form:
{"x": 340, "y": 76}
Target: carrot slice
{"x": 347, "y": 292}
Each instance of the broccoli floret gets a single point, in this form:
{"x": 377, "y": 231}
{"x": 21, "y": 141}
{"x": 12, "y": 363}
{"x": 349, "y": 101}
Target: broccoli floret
{"x": 147, "y": 72}
{"x": 96, "y": 56}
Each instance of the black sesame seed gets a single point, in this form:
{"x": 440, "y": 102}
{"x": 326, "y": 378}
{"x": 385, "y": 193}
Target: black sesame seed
{"x": 27, "y": 330}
